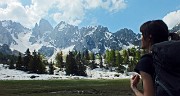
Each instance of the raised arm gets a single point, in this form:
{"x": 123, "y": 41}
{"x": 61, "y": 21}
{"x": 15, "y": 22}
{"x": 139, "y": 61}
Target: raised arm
{"x": 148, "y": 89}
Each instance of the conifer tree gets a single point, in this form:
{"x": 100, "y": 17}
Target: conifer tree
{"x": 135, "y": 58}
{"x": 41, "y": 69}
{"x": 27, "y": 60}
{"x": 107, "y": 57}
{"x": 101, "y": 62}
{"x": 71, "y": 66}
{"x": 74, "y": 64}
{"x": 86, "y": 57}
{"x": 51, "y": 68}
{"x": 19, "y": 62}
{"x": 75, "y": 52}
{"x": 81, "y": 66}
{"x": 92, "y": 64}
{"x": 86, "y": 54}
{"x": 68, "y": 66}
{"x": 59, "y": 60}
{"x": 131, "y": 65}
{"x": 125, "y": 57}
{"x": 138, "y": 55}
{"x": 92, "y": 56}
{"x": 112, "y": 58}
{"x": 11, "y": 64}
{"x": 119, "y": 62}
{"x": 132, "y": 52}
{"x": 34, "y": 65}
{"x": 1, "y": 58}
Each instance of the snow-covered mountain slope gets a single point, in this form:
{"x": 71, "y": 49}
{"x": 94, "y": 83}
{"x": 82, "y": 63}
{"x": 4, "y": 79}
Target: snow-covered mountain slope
{"x": 48, "y": 40}
{"x": 176, "y": 28}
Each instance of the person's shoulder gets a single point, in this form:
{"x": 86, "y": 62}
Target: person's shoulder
{"x": 148, "y": 55}
{"x": 145, "y": 64}
{"x": 146, "y": 58}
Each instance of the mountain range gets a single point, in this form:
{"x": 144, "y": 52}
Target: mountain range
{"x": 65, "y": 37}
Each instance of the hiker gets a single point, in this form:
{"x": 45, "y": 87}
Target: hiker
{"x": 153, "y": 32}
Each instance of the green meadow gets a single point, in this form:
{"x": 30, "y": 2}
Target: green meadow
{"x": 118, "y": 87}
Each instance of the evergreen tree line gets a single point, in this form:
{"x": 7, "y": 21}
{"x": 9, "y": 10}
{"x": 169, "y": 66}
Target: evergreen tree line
{"x": 77, "y": 62}
{"x": 122, "y": 60}
{"x": 8, "y": 59}
{"x": 33, "y": 63}
{"x": 74, "y": 63}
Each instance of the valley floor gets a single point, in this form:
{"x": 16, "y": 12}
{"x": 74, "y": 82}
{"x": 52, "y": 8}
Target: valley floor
{"x": 99, "y": 82}
{"x": 118, "y": 87}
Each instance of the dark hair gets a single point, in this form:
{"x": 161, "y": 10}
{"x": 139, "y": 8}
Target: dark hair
{"x": 157, "y": 29}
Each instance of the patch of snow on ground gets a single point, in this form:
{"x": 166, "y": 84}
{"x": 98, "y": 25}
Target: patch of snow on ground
{"x": 98, "y": 73}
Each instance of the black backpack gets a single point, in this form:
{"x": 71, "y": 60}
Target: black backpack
{"x": 166, "y": 60}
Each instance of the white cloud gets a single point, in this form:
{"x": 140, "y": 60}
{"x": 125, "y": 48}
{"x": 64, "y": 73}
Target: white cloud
{"x": 38, "y": 9}
{"x": 90, "y": 4}
{"x": 172, "y": 18}
{"x": 70, "y": 11}
{"x": 114, "y": 5}
{"x": 74, "y": 12}
{"x": 12, "y": 11}
{"x": 110, "y": 5}
{"x": 26, "y": 15}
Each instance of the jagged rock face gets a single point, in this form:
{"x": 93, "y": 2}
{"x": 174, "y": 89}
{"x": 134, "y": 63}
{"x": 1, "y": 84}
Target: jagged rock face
{"x": 65, "y": 35}
{"x": 43, "y": 28}
{"x": 93, "y": 38}
{"x": 5, "y": 36}
{"x": 41, "y": 31}
{"x": 4, "y": 49}
{"x": 126, "y": 36}
{"x": 47, "y": 51}
{"x": 13, "y": 27}
{"x": 176, "y": 28}
{"x": 9, "y": 31}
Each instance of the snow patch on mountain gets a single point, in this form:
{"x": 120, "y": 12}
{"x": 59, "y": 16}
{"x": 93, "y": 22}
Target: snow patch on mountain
{"x": 64, "y": 50}
{"x": 129, "y": 46}
{"x": 5, "y": 23}
{"x": 61, "y": 27}
{"x": 23, "y": 43}
{"x": 91, "y": 32}
{"x": 108, "y": 34}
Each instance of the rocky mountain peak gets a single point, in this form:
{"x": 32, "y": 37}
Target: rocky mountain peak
{"x": 42, "y": 28}
{"x": 41, "y": 31}
{"x": 44, "y": 25}
{"x": 94, "y": 38}
{"x": 176, "y": 28}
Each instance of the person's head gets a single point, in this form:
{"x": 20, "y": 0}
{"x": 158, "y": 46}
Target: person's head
{"x": 154, "y": 31}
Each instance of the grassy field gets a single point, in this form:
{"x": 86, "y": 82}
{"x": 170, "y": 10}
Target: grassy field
{"x": 65, "y": 88}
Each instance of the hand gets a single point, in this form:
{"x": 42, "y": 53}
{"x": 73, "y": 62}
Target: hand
{"x": 134, "y": 81}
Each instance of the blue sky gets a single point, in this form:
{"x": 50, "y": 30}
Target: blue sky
{"x": 114, "y": 14}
